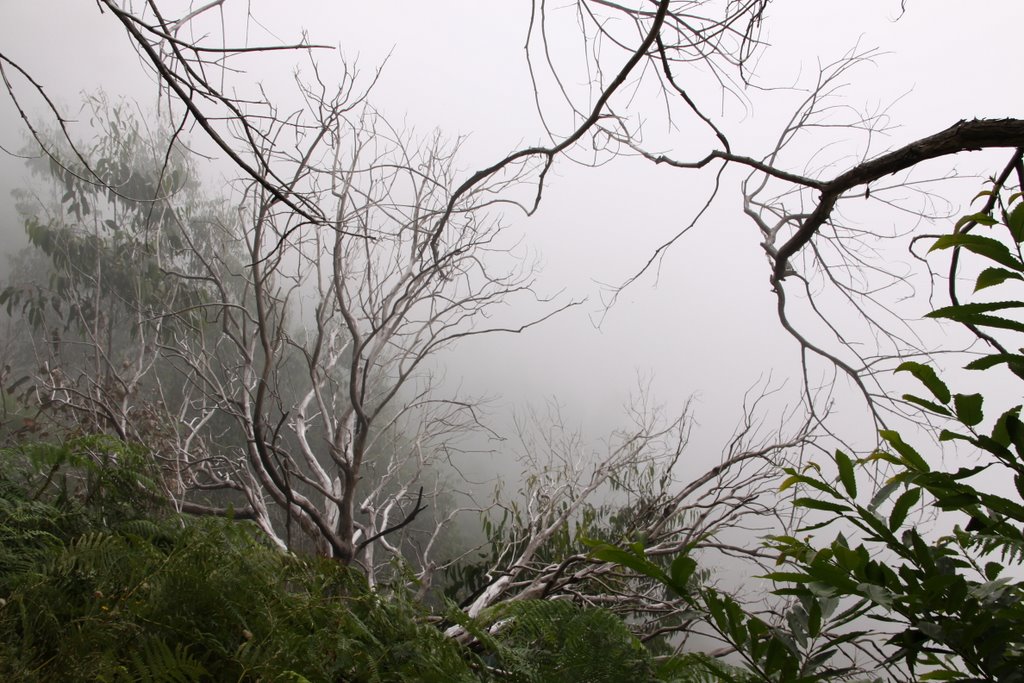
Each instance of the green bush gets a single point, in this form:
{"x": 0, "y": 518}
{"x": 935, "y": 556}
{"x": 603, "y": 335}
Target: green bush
{"x": 100, "y": 583}
{"x": 953, "y": 599}
{"x": 93, "y": 595}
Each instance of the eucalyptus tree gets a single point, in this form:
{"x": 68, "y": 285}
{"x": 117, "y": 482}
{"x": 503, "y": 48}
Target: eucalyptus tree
{"x": 93, "y": 285}
{"x": 279, "y": 363}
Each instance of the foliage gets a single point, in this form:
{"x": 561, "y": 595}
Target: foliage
{"x": 557, "y": 640}
{"x": 122, "y": 220}
{"x": 100, "y": 583}
{"x": 112, "y": 479}
{"x": 111, "y": 225}
{"x": 798, "y": 649}
{"x": 953, "y": 591}
{"x": 91, "y": 596}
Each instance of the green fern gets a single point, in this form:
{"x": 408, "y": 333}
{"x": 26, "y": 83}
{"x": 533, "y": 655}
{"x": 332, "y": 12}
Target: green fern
{"x": 156, "y": 662}
{"x": 545, "y": 640}
{"x": 694, "y": 667}
{"x": 94, "y": 596}
{"x": 1009, "y": 548}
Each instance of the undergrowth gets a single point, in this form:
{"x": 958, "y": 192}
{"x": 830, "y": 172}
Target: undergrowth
{"x": 99, "y": 583}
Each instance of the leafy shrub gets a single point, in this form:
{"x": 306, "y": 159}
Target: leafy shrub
{"x": 92, "y": 595}
{"x": 99, "y": 584}
{"x": 956, "y": 598}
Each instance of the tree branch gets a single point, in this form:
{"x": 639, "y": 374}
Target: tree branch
{"x": 963, "y": 136}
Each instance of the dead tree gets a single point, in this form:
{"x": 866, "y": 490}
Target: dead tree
{"x": 641, "y": 59}
{"x": 322, "y": 335}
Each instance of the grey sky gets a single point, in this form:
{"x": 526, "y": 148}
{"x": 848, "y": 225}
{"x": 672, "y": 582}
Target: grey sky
{"x": 708, "y": 327}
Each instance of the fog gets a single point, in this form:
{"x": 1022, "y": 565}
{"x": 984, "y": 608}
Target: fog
{"x": 663, "y": 277}
{"x": 700, "y": 321}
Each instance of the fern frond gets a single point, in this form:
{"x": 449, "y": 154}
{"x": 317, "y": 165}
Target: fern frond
{"x": 556, "y": 640}
{"x": 156, "y": 662}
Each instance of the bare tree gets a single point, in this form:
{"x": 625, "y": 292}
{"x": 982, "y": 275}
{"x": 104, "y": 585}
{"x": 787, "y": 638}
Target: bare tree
{"x": 320, "y": 346}
{"x": 316, "y": 304}
{"x": 641, "y": 489}
{"x": 632, "y": 52}
{"x": 284, "y": 367}
{"x": 664, "y": 52}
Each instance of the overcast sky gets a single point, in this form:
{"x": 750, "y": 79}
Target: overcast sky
{"x": 706, "y": 324}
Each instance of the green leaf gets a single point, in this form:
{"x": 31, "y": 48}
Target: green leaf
{"x": 946, "y": 435}
{"x": 786, "y": 578}
{"x": 797, "y": 621}
{"x": 968, "y": 408}
{"x": 887, "y": 457}
{"x": 819, "y": 525}
{"x": 962, "y": 315}
{"x": 850, "y": 560}
{"x": 991, "y": 277}
{"x": 682, "y": 569}
{"x": 609, "y": 553}
{"x": 814, "y": 616}
{"x": 877, "y": 594}
{"x": 872, "y": 522}
{"x": 910, "y": 457}
{"x": 902, "y": 506}
{"x": 991, "y": 249}
{"x": 927, "y": 376}
{"x": 994, "y": 359}
{"x": 787, "y": 540}
{"x": 1003, "y": 506}
{"x": 1015, "y": 222}
{"x": 789, "y": 481}
{"x": 1015, "y": 433}
{"x": 717, "y": 610}
{"x": 982, "y": 307}
{"x": 941, "y": 675}
{"x": 815, "y": 504}
{"x": 883, "y": 495}
{"x": 927, "y": 405}
{"x": 810, "y": 481}
{"x": 981, "y": 218}
{"x": 846, "y": 473}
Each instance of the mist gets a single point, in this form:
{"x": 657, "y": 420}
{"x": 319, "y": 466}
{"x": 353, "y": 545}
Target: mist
{"x": 638, "y": 296}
